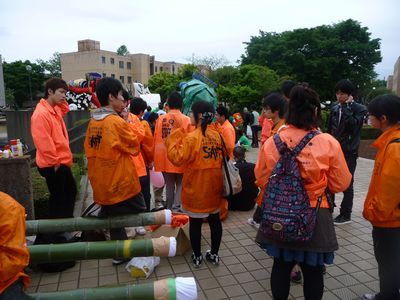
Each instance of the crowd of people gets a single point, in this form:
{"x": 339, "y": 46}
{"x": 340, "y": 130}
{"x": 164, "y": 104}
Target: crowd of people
{"x": 297, "y": 173}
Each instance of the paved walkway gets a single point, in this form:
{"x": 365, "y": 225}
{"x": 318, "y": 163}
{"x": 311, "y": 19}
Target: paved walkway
{"x": 244, "y": 272}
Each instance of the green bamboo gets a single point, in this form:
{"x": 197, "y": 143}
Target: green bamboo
{"x": 146, "y": 291}
{"x": 98, "y": 250}
{"x": 91, "y": 223}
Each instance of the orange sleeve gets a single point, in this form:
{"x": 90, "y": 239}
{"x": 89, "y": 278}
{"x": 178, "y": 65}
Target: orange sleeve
{"x": 180, "y": 147}
{"x": 263, "y": 169}
{"x": 147, "y": 143}
{"x": 228, "y": 132}
{"x": 339, "y": 177}
{"x": 137, "y": 127}
{"x": 41, "y": 134}
{"x": 124, "y": 139}
{"x": 64, "y": 107}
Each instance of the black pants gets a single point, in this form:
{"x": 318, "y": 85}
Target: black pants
{"x": 62, "y": 188}
{"x": 387, "y": 254}
{"x": 348, "y": 195}
{"x": 133, "y": 205}
{"x": 254, "y": 132}
{"x": 313, "y": 286}
{"x": 145, "y": 185}
{"x": 195, "y": 233}
{"x": 14, "y": 291}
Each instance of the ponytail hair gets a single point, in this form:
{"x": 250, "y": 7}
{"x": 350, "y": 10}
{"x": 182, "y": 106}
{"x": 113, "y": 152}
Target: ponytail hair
{"x": 207, "y": 110}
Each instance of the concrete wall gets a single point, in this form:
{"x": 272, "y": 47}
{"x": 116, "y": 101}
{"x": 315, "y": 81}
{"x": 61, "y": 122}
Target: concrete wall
{"x": 16, "y": 180}
{"x": 19, "y": 124}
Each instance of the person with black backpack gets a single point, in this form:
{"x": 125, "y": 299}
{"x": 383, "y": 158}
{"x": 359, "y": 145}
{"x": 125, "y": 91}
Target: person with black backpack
{"x": 299, "y": 168}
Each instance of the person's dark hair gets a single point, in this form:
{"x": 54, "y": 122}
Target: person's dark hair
{"x": 54, "y": 84}
{"x": 386, "y": 105}
{"x": 286, "y": 87}
{"x": 207, "y": 110}
{"x": 240, "y": 132}
{"x": 304, "y": 108}
{"x": 345, "y": 86}
{"x": 148, "y": 108}
{"x": 138, "y": 106}
{"x": 107, "y": 86}
{"x": 253, "y": 107}
{"x": 239, "y": 153}
{"x": 223, "y": 111}
{"x": 275, "y": 102}
{"x": 153, "y": 116}
{"x": 175, "y": 101}
{"x": 126, "y": 95}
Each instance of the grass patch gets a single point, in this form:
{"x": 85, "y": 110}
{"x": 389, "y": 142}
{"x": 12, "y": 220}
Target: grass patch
{"x": 40, "y": 191}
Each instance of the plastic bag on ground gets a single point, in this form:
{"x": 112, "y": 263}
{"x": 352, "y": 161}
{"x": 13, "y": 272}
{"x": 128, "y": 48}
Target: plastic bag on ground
{"x": 142, "y": 266}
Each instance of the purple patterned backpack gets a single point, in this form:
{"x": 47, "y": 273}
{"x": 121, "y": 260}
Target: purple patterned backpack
{"x": 286, "y": 212}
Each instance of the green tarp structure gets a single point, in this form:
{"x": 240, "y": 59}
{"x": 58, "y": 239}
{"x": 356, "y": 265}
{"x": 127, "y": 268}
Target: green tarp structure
{"x": 195, "y": 90}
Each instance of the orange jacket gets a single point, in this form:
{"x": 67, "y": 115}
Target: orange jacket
{"x": 382, "y": 204}
{"x": 147, "y": 145}
{"x": 109, "y": 147}
{"x": 165, "y": 123}
{"x": 50, "y": 135}
{"x": 321, "y": 163}
{"x": 14, "y": 255}
{"x": 228, "y": 132}
{"x": 138, "y": 129}
{"x": 202, "y": 180}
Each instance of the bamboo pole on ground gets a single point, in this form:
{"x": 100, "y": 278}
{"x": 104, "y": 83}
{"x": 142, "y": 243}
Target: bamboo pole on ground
{"x": 91, "y": 223}
{"x": 179, "y": 288}
{"x": 163, "y": 247}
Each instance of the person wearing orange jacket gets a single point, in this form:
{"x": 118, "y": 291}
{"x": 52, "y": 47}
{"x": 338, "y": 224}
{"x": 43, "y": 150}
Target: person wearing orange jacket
{"x": 228, "y": 131}
{"x": 322, "y": 166}
{"x": 200, "y": 152}
{"x": 14, "y": 255}
{"x": 173, "y": 175}
{"x": 53, "y": 155}
{"x": 137, "y": 109}
{"x": 109, "y": 146}
{"x": 382, "y": 204}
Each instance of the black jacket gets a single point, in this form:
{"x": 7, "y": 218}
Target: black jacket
{"x": 348, "y": 130}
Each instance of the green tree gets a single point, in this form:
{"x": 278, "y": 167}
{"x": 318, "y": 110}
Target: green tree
{"x": 320, "y": 56}
{"x": 122, "y": 50}
{"x": 16, "y": 78}
{"x": 51, "y": 67}
{"x": 163, "y": 83}
{"x": 186, "y": 71}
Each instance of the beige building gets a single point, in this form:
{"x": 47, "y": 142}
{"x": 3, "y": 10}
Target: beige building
{"x": 131, "y": 68}
{"x": 393, "y": 82}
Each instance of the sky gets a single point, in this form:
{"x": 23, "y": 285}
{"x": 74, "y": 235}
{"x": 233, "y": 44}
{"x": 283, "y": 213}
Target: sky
{"x": 176, "y": 30}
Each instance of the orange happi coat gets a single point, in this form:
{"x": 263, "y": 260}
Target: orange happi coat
{"x": 50, "y": 135}
{"x": 228, "y": 132}
{"x": 382, "y": 204}
{"x": 321, "y": 163}
{"x": 164, "y": 125}
{"x": 109, "y": 147}
{"x": 147, "y": 145}
{"x": 202, "y": 158}
{"x": 138, "y": 129}
{"x": 14, "y": 255}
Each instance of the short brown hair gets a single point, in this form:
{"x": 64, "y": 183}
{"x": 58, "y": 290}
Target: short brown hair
{"x": 54, "y": 84}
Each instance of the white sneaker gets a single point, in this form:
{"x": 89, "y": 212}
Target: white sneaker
{"x": 140, "y": 230}
{"x": 253, "y": 223}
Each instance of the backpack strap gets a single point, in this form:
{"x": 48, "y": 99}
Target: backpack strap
{"x": 305, "y": 141}
{"x": 281, "y": 146}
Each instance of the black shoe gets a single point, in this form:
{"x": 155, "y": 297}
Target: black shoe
{"x": 197, "y": 260}
{"x": 341, "y": 220}
{"x": 117, "y": 262}
{"x": 212, "y": 258}
{"x": 369, "y": 297}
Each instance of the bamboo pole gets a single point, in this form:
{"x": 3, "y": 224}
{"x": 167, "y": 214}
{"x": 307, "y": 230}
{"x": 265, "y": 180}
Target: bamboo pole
{"x": 179, "y": 288}
{"x": 91, "y": 223}
{"x": 163, "y": 247}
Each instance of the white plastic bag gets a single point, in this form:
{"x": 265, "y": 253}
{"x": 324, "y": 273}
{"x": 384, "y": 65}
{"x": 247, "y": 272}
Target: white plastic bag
{"x": 142, "y": 266}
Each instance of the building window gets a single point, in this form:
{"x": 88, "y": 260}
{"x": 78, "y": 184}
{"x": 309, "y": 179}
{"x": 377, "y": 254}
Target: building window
{"x": 128, "y": 65}
{"x": 112, "y": 75}
{"x": 156, "y": 69}
{"x": 121, "y": 64}
{"x": 129, "y": 79}
{"x": 122, "y": 79}
{"x": 103, "y": 59}
{"x": 112, "y": 61}
{"x": 104, "y": 75}
{"x": 161, "y": 69}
